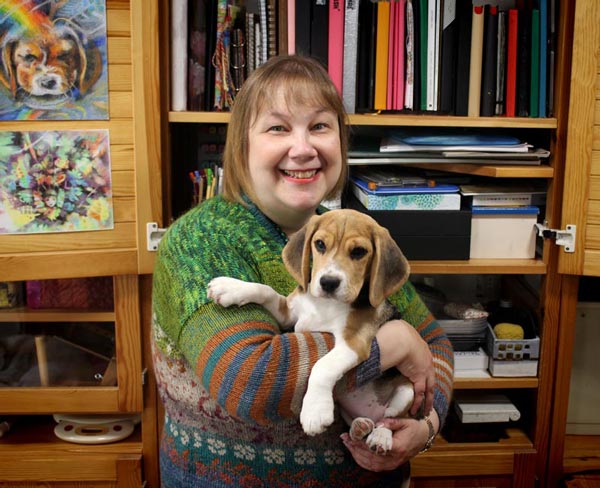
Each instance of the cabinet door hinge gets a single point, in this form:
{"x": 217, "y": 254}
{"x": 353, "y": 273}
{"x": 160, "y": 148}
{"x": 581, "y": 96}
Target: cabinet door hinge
{"x": 153, "y": 235}
{"x": 144, "y": 374}
{"x": 561, "y": 237}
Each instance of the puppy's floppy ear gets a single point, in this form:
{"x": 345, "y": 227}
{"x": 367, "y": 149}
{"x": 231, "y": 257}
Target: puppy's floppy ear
{"x": 297, "y": 252}
{"x": 389, "y": 268}
{"x": 7, "y": 71}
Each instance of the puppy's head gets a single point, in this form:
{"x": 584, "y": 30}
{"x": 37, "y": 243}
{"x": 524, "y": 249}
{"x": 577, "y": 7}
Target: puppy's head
{"x": 48, "y": 66}
{"x": 336, "y": 254}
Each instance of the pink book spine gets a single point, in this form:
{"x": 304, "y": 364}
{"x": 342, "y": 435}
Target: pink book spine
{"x": 291, "y": 26}
{"x": 336, "y": 43}
{"x": 400, "y": 38}
{"x": 391, "y": 82}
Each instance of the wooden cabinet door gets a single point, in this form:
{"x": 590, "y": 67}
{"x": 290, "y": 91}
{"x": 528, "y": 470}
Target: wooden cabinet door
{"x": 581, "y": 201}
{"x": 133, "y": 128}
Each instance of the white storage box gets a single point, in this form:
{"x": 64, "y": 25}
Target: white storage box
{"x": 503, "y": 232}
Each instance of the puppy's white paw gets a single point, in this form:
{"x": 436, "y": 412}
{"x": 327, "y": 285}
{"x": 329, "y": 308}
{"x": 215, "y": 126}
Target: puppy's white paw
{"x": 227, "y": 291}
{"x": 380, "y": 440}
{"x": 316, "y": 416}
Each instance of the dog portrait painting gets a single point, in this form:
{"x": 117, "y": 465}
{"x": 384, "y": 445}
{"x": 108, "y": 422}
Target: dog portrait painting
{"x": 53, "y": 60}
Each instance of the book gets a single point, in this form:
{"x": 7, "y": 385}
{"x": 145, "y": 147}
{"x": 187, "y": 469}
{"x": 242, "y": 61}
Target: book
{"x": 381, "y": 55}
{"x": 409, "y": 75}
{"x": 543, "y": 77}
{"x": 367, "y": 34}
{"x": 335, "y": 51}
{"x": 523, "y": 63}
{"x": 490, "y": 54}
{"x": 179, "y": 54}
{"x": 476, "y": 63}
{"x": 433, "y": 46}
{"x": 448, "y": 57}
{"x": 423, "y": 36}
{"x": 319, "y": 30}
{"x": 211, "y": 42}
{"x": 464, "y": 13}
{"x": 272, "y": 35}
{"x": 416, "y": 48}
{"x": 511, "y": 62}
{"x": 501, "y": 64}
{"x": 197, "y": 55}
{"x": 477, "y": 407}
{"x": 302, "y": 28}
{"x": 291, "y": 26}
{"x": 552, "y": 46}
{"x": 534, "y": 100}
{"x": 398, "y": 64}
{"x": 350, "y": 55}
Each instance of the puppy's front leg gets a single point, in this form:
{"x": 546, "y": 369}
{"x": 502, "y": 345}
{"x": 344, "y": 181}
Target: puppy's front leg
{"x": 227, "y": 291}
{"x": 317, "y": 406}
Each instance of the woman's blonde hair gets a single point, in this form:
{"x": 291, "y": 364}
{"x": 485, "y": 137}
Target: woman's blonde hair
{"x": 306, "y": 82}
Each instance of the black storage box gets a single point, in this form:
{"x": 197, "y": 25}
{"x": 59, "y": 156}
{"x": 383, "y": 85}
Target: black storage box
{"x": 424, "y": 234}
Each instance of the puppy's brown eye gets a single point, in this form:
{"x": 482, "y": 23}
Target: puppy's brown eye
{"x": 29, "y": 58}
{"x": 358, "y": 252}
{"x": 320, "y": 246}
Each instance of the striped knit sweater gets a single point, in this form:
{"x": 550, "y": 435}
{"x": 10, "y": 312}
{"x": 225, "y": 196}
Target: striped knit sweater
{"x": 232, "y": 382}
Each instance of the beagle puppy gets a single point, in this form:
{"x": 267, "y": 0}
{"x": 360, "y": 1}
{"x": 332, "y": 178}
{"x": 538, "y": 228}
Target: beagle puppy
{"x": 346, "y": 265}
{"x": 48, "y": 67}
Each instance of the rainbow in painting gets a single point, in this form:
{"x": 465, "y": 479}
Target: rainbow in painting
{"x": 53, "y": 63}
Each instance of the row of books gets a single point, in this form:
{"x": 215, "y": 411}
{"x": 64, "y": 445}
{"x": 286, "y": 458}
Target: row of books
{"x": 459, "y": 57}
{"x": 215, "y": 45}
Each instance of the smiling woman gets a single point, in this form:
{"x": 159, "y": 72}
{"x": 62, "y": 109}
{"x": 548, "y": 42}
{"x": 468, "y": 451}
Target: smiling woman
{"x": 231, "y": 380}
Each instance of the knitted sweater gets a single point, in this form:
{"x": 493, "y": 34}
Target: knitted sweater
{"x": 231, "y": 382}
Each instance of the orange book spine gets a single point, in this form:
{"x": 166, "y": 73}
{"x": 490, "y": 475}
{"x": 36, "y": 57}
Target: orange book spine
{"x": 381, "y": 55}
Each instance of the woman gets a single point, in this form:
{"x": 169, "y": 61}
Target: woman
{"x": 231, "y": 381}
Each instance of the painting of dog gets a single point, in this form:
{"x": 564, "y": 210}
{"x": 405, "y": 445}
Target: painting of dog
{"x": 53, "y": 59}
{"x": 346, "y": 266}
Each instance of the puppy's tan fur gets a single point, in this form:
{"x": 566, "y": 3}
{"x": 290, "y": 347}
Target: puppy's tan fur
{"x": 346, "y": 265}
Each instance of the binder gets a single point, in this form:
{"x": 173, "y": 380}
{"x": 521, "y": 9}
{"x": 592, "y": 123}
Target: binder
{"x": 350, "y": 55}
{"x": 490, "y": 54}
{"x": 448, "y": 60}
{"x": 433, "y": 54}
{"x": 423, "y": 8}
{"x": 523, "y": 63}
{"x": 475, "y": 66}
{"x": 381, "y": 56}
{"x": 463, "y": 61}
{"x": 534, "y": 98}
{"x": 291, "y": 26}
{"x": 335, "y": 51}
{"x": 416, "y": 7}
{"x": 367, "y": 34}
{"x": 501, "y": 64}
{"x": 511, "y": 62}
{"x": 409, "y": 76}
{"x": 543, "y": 98}
{"x": 319, "y": 30}
{"x": 302, "y": 27}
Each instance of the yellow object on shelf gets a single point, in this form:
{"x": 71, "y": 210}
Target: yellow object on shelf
{"x": 506, "y": 330}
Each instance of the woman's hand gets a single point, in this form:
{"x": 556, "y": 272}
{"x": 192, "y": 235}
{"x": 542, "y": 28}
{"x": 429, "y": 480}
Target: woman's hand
{"x": 400, "y": 345}
{"x": 409, "y": 437}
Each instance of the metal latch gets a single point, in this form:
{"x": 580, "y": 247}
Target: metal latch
{"x": 564, "y": 238}
{"x": 153, "y": 235}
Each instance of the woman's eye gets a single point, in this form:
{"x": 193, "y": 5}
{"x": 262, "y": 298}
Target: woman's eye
{"x": 358, "y": 252}
{"x": 320, "y": 246}
{"x": 320, "y": 126}
{"x": 276, "y": 128}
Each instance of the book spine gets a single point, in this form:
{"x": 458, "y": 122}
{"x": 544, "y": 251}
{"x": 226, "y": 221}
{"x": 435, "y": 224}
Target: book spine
{"x": 432, "y": 46}
{"x": 490, "y": 54}
{"x": 543, "y": 96}
{"x": 179, "y": 54}
{"x": 501, "y": 64}
{"x": 535, "y": 64}
{"x": 399, "y": 61}
{"x": 511, "y": 62}
{"x": 350, "y": 55}
{"x": 423, "y": 37}
{"x": 390, "y": 93}
{"x": 302, "y": 28}
{"x": 476, "y": 62}
{"x": 381, "y": 57}
{"x": 291, "y": 26}
{"x": 448, "y": 58}
{"x": 410, "y": 57}
{"x": 335, "y": 51}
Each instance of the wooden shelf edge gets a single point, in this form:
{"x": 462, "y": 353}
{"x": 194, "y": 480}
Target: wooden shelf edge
{"x": 23, "y": 314}
{"x": 501, "y": 171}
{"x": 479, "y": 266}
{"x": 395, "y": 120}
{"x": 494, "y": 383}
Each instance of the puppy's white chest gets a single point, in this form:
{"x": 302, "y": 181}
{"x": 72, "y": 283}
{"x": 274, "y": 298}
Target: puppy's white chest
{"x": 319, "y": 314}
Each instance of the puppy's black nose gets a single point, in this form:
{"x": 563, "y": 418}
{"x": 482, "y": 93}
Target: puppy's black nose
{"x": 329, "y": 283}
{"x": 48, "y": 83}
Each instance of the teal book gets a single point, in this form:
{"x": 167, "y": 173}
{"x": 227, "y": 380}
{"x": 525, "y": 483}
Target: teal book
{"x": 534, "y": 99}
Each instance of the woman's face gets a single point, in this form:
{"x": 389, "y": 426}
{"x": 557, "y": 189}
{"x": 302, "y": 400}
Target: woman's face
{"x": 294, "y": 160}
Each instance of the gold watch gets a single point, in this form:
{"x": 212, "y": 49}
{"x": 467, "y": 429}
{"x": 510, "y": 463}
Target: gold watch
{"x": 432, "y": 434}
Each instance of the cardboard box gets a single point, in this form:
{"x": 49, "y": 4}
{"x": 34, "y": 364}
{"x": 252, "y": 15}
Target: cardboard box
{"x": 424, "y": 234}
{"x": 503, "y": 232}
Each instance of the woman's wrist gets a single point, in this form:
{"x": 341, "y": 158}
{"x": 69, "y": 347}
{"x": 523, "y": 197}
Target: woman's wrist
{"x": 432, "y": 424}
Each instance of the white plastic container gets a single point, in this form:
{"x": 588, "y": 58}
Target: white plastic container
{"x": 503, "y": 232}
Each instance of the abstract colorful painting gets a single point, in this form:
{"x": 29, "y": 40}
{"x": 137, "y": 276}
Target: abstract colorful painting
{"x": 53, "y": 60}
{"x": 55, "y": 182}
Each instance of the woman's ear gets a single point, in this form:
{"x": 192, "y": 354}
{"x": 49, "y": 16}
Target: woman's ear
{"x": 389, "y": 269}
{"x": 297, "y": 253}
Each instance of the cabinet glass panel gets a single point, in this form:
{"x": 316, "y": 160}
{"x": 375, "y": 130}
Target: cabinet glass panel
{"x": 57, "y": 333}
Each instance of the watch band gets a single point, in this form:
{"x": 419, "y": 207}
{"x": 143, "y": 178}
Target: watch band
{"x": 432, "y": 434}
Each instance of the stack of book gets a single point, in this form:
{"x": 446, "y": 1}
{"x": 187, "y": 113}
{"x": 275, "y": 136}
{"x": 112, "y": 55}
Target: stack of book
{"x": 459, "y": 57}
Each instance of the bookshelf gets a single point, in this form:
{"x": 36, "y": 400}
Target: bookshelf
{"x": 523, "y": 455}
